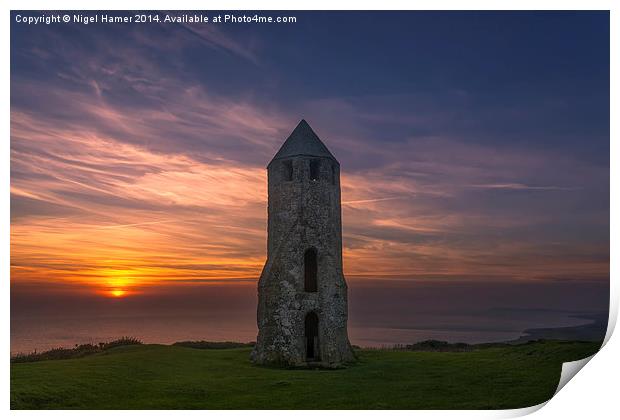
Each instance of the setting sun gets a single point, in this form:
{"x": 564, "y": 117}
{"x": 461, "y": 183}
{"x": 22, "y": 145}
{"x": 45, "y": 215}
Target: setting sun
{"x": 117, "y": 293}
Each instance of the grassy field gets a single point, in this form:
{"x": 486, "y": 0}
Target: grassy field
{"x": 172, "y": 377}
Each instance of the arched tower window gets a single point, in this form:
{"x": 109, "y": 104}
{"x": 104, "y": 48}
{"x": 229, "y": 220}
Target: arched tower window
{"x": 314, "y": 170}
{"x": 333, "y": 175}
{"x": 312, "y": 336}
{"x": 310, "y": 270}
{"x": 287, "y": 170}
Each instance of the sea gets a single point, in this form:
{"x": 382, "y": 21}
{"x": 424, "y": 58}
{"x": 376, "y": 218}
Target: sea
{"x": 381, "y": 313}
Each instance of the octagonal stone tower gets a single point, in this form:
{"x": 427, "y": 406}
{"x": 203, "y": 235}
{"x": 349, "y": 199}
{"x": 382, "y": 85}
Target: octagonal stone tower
{"x": 302, "y": 294}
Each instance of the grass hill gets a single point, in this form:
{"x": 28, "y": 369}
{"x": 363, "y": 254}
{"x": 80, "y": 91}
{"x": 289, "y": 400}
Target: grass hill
{"x": 179, "y": 377}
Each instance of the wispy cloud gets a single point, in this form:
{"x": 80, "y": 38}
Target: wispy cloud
{"x": 517, "y": 186}
{"x": 374, "y": 200}
{"x": 128, "y": 170}
{"x": 215, "y": 38}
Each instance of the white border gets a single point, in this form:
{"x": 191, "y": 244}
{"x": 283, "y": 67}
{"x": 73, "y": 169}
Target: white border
{"x": 592, "y": 395}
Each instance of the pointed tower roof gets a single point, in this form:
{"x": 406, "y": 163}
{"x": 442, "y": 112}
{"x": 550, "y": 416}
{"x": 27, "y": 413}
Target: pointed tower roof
{"x": 303, "y": 142}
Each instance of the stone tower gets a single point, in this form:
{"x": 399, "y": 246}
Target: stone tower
{"x": 302, "y": 294}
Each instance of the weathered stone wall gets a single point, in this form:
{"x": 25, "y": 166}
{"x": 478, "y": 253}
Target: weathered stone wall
{"x": 303, "y": 213}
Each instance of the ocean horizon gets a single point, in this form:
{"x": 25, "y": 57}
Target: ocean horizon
{"x": 381, "y": 313}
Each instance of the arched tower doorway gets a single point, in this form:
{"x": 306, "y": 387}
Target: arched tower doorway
{"x": 312, "y": 337}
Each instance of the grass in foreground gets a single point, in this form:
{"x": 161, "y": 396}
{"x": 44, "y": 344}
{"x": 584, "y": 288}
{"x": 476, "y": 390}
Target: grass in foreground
{"x": 176, "y": 377}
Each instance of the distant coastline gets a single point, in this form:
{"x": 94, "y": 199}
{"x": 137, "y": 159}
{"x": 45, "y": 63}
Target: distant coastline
{"x": 593, "y": 331}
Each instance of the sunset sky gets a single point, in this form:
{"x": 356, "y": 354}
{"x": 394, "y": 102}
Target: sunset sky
{"x": 473, "y": 146}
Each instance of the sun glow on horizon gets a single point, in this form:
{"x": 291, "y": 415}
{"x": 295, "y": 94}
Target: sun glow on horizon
{"x": 117, "y": 293}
